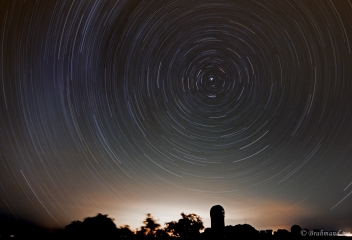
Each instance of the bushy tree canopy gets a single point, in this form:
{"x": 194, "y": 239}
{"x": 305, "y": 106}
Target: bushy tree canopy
{"x": 188, "y": 226}
{"x": 98, "y": 227}
{"x": 151, "y": 228}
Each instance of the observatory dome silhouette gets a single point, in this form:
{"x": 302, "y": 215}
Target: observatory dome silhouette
{"x": 217, "y": 216}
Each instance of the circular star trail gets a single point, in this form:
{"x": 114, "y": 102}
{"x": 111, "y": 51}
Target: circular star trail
{"x": 239, "y": 102}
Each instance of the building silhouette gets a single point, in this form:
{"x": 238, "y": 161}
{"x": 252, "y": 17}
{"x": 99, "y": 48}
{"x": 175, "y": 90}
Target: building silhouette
{"x": 217, "y": 216}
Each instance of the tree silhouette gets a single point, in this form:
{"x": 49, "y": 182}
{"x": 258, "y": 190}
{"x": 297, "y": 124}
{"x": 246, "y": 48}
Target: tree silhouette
{"x": 296, "y": 231}
{"x": 161, "y": 233}
{"x": 282, "y": 234}
{"x": 142, "y": 232}
{"x": 125, "y": 231}
{"x": 98, "y": 227}
{"x": 150, "y": 229}
{"x": 75, "y": 230}
{"x": 241, "y": 231}
{"x": 188, "y": 226}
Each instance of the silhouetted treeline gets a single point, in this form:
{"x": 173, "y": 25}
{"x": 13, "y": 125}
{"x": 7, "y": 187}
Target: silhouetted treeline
{"x": 189, "y": 226}
{"x": 103, "y": 227}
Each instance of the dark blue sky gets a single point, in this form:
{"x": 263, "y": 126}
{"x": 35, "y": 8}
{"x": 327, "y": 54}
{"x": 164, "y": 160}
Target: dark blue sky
{"x": 162, "y": 107}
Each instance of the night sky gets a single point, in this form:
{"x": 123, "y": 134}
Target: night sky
{"x": 147, "y": 106}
